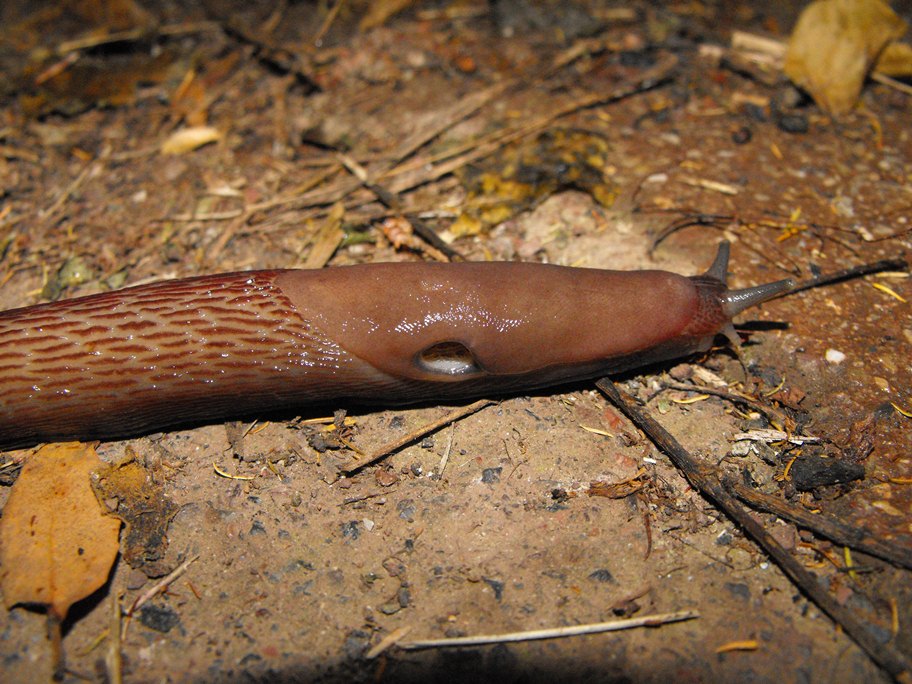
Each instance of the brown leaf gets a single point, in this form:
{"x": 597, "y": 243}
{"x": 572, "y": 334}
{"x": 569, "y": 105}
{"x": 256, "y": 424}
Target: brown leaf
{"x": 56, "y": 545}
{"x": 895, "y": 60}
{"x": 619, "y": 490}
{"x": 833, "y": 46}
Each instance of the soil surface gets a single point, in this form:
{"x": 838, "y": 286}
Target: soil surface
{"x": 488, "y": 525}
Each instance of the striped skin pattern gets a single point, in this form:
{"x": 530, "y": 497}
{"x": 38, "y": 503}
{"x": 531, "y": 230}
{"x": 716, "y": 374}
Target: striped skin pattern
{"x": 161, "y": 355}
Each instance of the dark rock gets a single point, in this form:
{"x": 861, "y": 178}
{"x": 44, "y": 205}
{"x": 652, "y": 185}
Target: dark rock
{"x": 810, "y": 473}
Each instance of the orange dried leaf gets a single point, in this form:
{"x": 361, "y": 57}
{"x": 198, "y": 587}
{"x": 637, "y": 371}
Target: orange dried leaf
{"x": 895, "y": 60}
{"x": 56, "y": 545}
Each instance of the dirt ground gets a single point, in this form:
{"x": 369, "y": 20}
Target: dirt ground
{"x": 487, "y": 525}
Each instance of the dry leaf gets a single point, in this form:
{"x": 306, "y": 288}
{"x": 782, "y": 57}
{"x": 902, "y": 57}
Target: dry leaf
{"x": 833, "y": 46}
{"x": 895, "y": 60}
{"x": 381, "y": 10}
{"x": 56, "y": 545}
{"x": 189, "y": 139}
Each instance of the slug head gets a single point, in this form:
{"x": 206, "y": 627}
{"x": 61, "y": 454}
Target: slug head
{"x": 718, "y": 304}
{"x": 736, "y": 301}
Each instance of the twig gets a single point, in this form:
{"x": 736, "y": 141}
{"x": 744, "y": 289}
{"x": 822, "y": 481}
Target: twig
{"x": 389, "y": 640}
{"x": 68, "y": 191}
{"x": 768, "y": 436}
{"x": 327, "y": 23}
{"x": 134, "y": 34}
{"x": 776, "y": 49}
{"x": 158, "y": 586}
{"x": 446, "y": 453}
{"x": 114, "y": 659}
{"x": 848, "y": 274}
{"x": 407, "y": 176}
{"x": 387, "y": 449}
{"x": 855, "y": 537}
{"x": 705, "y": 480}
{"x": 733, "y": 397}
{"x": 553, "y": 633}
{"x": 391, "y": 201}
{"x": 270, "y": 53}
{"x": 400, "y": 175}
{"x": 883, "y": 79}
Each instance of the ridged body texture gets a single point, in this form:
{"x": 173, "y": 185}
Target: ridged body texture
{"x": 213, "y": 348}
{"x": 154, "y": 356}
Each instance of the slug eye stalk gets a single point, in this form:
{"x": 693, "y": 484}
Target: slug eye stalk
{"x": 735, "y": 301}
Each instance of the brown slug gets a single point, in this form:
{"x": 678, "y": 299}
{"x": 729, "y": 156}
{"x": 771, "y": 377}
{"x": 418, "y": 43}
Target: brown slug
{"x": 184, "y": 352}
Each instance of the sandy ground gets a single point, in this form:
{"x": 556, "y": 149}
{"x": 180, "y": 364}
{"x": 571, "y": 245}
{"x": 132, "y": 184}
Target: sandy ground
{"x": 487, "y": 525}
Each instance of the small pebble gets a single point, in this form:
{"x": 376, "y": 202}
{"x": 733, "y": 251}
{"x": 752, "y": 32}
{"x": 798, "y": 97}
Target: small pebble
{"x": 602, "y": 575}
{"x": 160, "y": 618}
{"x": 742, "y": 135}
{"x": 491, "y": 475}
{"x": 793, "y": 123}
{"x": 834, "y": 356}
{"x": 386, "y": 478}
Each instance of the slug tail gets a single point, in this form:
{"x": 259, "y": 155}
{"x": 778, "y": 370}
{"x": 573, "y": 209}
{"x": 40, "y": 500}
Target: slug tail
{"x": 736, "y": 301}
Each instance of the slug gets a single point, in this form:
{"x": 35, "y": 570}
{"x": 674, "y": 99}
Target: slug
{"x": 185, "y": 352}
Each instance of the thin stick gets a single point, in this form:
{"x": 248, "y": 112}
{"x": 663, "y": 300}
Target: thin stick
{"x": 848, "y": 274}
{"x": 553, "y": 633}
{"x": 835, "y": 530}
{"x": 705, "y": 480}
{"x": 114, "y": 659}
{"x": 446, "y": 453}
{"x": 386, "y": 642}
{"x": 158, "y": 586}
{"x": 68, "y": 191}
{"x": 397, "y": 444}
{"x": 55, "y": 638}
{"x": 400, "y": 179}
{"x": 883, "y": 79}
{"x": 130, "y": 35}
{"x": 733, "y": 397}
{"x": 391, "y": 201}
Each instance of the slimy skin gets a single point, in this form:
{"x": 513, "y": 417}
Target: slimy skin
{"x": 213, "y": 348}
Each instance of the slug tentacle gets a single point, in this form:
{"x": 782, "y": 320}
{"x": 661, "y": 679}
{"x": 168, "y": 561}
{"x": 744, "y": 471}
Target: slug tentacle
{"x": 736, "y": 301}
{"x": 719, "y": 268}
